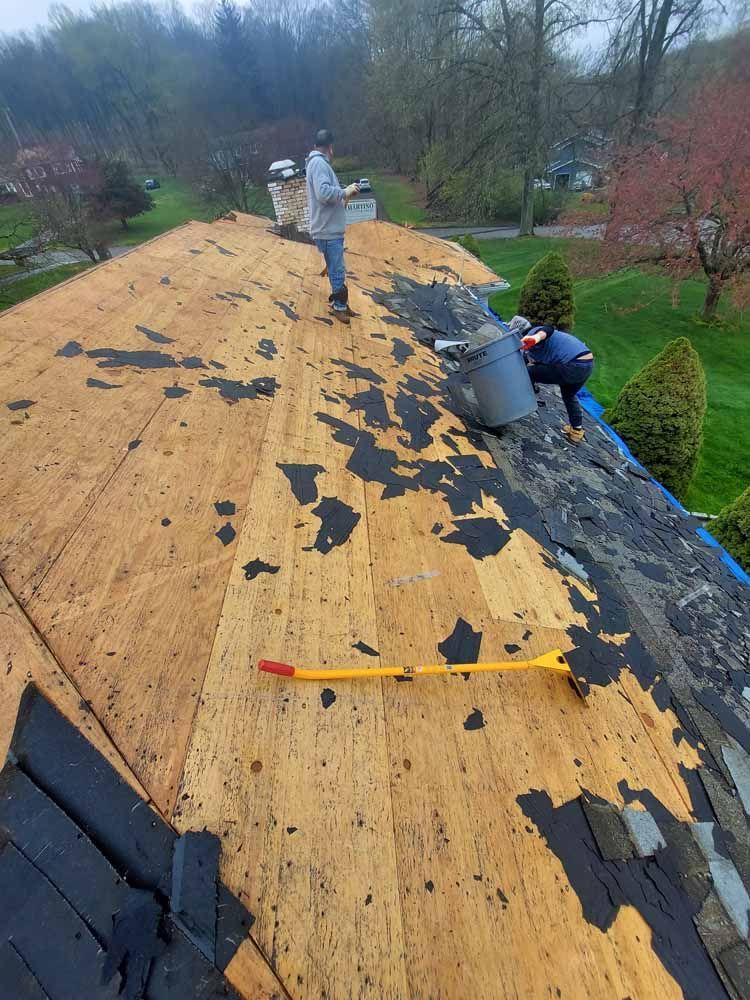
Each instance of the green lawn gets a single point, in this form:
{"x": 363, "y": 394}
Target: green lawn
{"x": 174, "y": 203}
{"x": 260, "y": 202}
{"x": 12, "y": 213}
{"x": 626, "y": 318}
{"x": 399, "y": 197}
{"x": 24, "y": 288}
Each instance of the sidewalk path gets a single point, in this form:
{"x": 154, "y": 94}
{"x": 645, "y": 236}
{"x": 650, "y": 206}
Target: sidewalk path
{"x": 47, "y": 261}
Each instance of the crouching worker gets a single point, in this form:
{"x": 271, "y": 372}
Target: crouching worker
{"x": 327, "y": 202}
{"x": 557, "y": 358}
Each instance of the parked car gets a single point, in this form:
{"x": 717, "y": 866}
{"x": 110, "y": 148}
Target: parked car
{"x": 542, "y": 185}
{"x": 364, "y": 185}
{"x": 151, "y": 184}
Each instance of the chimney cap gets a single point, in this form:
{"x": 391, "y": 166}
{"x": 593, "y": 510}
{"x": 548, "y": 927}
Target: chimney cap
{"x": 280, "y": 165}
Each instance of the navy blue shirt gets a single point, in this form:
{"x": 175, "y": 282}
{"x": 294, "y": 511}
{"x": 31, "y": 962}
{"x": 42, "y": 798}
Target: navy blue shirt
{"x": 557, "y": 348}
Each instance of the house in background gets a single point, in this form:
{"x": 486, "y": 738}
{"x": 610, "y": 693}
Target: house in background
{"x": 8, "y": 190}
{"x": 577, "y": 162}
{"x": 49, "y": 169}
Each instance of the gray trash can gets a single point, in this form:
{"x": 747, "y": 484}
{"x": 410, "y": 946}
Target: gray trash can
{"x": 500, "y": 381}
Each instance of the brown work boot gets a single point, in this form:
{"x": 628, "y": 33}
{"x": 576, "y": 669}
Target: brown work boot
{"x": 341, "y": 315}
{"x": 574, "y": 434}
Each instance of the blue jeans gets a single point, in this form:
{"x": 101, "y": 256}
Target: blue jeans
{"x": 333, "y": 251}
{"x": 570, "y": 377}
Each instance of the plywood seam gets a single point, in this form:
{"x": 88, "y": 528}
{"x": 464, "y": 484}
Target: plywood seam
{"x": 42, "y": 640}
{"x": 271, "y": 969}
{"x": 91, "y": 506}
{"x": 178, "y": 783}
{"x": 397, "y": 868}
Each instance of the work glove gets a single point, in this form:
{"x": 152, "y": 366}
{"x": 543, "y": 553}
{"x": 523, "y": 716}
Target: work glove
{"x": 519, "y": 325}
{"x": 350, "y": 191}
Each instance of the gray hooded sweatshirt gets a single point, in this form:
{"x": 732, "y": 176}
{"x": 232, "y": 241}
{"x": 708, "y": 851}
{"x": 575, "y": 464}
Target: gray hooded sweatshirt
{"x": 325, "y": 196}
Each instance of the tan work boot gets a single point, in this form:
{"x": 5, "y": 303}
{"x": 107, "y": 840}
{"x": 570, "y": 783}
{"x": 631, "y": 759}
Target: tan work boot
{"x": 341, "y": 315}
{"x": 574, "y": 434}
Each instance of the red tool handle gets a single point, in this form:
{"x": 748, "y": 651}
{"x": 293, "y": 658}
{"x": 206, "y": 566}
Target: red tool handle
{"x": 272, "y": 667}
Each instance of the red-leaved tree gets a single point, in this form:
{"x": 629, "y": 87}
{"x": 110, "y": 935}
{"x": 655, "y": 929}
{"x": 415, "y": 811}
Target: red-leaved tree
{"x": 683, "y": 198}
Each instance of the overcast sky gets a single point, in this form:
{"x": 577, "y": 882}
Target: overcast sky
{"x": 25, "y": 15}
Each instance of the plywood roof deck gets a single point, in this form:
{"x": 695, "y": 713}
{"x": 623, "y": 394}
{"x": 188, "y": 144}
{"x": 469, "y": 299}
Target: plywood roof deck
{"x": 378, "y": 840}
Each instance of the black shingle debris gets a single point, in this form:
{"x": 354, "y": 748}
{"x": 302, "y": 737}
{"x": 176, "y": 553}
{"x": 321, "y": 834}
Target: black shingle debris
{"x": 113, "y": 357}
{"x": 655, "y": 885}
{"x": 233, "y": 391}
{"x": 256, "y": 566}
{"x": 480, "y": 536}
{"x": 417, "y": 417}
{"x": 226, "y": 534}
{"x": 358, "y": 372}
{"x": 95, "y": 383}
{"x": 266, "y": 349}
{"x": 89, "y": 876}
{"x": 194, "y": 892}
{"x": 302, "y": 480}
{"x": 70, "y": 350}
{"x": 687, "y": 622}
{"x": 372, "y": 404}
{"x": 461, "y": 646}
{"x": 401, "y": 351}
{"x": 153, "y": 335}
{"x": 337, "y": 521}
{"x": 364, "y": 648}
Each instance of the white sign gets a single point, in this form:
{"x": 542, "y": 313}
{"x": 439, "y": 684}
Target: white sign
{"x": 361, "y": 210}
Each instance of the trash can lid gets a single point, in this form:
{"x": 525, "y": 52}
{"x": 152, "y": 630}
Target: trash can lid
{"x": 506, "y": 343}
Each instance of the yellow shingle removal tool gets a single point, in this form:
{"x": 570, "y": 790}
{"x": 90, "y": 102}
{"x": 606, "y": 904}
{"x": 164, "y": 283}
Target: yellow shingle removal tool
{"x": 554, "y": 661}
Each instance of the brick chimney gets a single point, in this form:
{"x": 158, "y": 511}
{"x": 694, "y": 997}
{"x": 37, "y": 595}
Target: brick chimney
{"x": 288, "y": 192}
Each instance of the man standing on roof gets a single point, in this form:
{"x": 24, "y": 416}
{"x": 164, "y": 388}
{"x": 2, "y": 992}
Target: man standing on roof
{"x": 557, "y": 358}
{"x": 327, "y": 201}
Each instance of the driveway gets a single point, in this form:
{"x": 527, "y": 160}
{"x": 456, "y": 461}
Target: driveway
{"x": 508, "y": 232}
{"x": 47, "y": 261}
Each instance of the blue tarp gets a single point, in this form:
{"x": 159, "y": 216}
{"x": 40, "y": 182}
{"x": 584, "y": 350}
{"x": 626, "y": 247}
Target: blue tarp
{"x": 595, "y": 409}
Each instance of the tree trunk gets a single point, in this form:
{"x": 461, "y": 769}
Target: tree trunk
{"x": 527, "y": 204}
{"x": 124, "y": 222}
{"x": 711, "y": 301}
{"x": 652, "y": 49}
{"x": 533, "y": 120}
